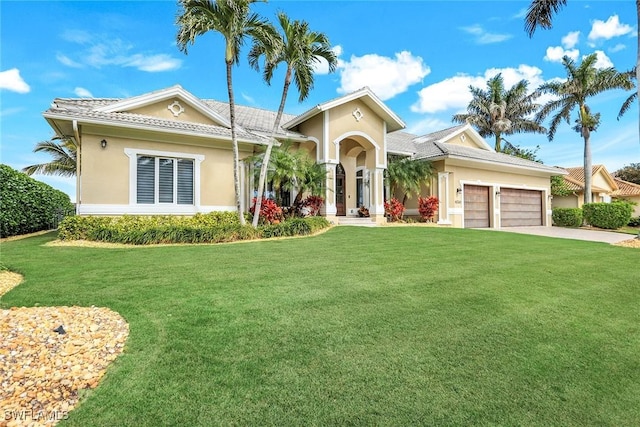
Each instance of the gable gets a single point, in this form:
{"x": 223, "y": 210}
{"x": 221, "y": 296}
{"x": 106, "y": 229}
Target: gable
{"x": 153, "y": 104}
{"x": 466, "y": 139}
{"x": 174, "y": 109}
{"x": 602, "y": 178}
{"x": 355, "y": 116}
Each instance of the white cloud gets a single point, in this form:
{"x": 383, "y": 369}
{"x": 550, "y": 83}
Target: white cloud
{"x": 82, "y": 92}
{"x": 248, "y": 98}
{"x": 603, "y": 60}
{"x": 428, "y": 125}
{"x": 65, "y": 60}
{"x": 521, "y": 13}
{"x": 570, "y": 40}
{"x": 609, "y": 29}
{"x": 11, "y": 80}
{"x": 105, "y": 51}
{"x": 386, "y": 77}
{"x": 321, "y": 66}
{"x": 11, "y": 111}
{"x": 76, "y": 36}
{"x": 453, "y": 93}
{"x": 617, "y": 48}
{"x": 556, "y": 53}
{"x": 484, "y": 37}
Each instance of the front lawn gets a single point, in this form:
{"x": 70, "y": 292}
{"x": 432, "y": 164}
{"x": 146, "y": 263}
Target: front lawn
{"x": 357, "y": 326}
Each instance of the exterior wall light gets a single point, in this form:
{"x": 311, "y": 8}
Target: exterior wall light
{"x": 459, "y": 191}
{"x": 103, "y": 143}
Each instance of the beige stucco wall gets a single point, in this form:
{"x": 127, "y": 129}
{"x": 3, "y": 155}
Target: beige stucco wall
{"x": 599, "y": 180}
{"x": 105, "y": 177}
{"x": 636, "y": 208}
{"x": 160, "y": 110}
{"x": 570, "y": 201}
{"x": 342, "y": 122}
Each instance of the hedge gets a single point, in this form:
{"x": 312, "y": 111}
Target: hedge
{"x": 28, "y": 205}
{"x": 608, "y": 215}
{"x": 215, "y": 227}
{"x": 567, "y": 217}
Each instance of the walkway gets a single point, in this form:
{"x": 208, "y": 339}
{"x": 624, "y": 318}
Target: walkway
{"x": 571, "y": 233}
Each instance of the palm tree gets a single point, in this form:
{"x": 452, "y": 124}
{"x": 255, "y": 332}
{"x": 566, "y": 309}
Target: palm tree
{"x": 540, "y": 14}
{"x": 64, "y": 152}
{"x": 583, "y": 81}
{"x": 299, "y": 48}
{"x": 407, "y": 175}
{"x": 234, "y": 20}
{"x": 496, "y": 111}
{"x": 627, "y": 103}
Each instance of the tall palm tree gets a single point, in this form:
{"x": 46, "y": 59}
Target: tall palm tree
{"x": 234, "y": 20}
{"x": 407, "y": 175}
{"x": 497, "y": 111}
{"x": 299, "y": 48}
{"x": 64, "y": 152}
{"x": 583, "y": 81}
{"x": 627, "y": 103}
{"x": 540, "y": 14}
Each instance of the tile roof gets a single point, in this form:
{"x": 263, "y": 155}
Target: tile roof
{"x": 574, "y": 180}
{"x": 626, "y": 188}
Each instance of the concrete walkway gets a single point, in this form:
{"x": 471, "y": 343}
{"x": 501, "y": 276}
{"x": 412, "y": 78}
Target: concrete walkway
{"x": 571, "y": 233}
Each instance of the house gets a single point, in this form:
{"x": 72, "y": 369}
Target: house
{"x": 604, "y": 188}
{"x": 169, "y": 152}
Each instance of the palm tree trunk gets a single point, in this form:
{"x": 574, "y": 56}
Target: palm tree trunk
{"x": 234, "y": 142}
{"x": 587, "y": 165}
{"x": 267, "y": 154}
{"x": 638, "y": 64}
{"x": 498, "y": 145}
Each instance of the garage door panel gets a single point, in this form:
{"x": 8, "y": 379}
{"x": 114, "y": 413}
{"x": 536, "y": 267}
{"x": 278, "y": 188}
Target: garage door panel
{"x": 476, "y": 206}
{"x": 520, "y": 207}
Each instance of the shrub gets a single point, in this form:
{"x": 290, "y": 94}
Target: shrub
{"x": 270, "y": 212}
{"x": 567, "y": 217}
{"x": 28, "y": 205}
{"x": 144, "y": 230}
{"x": 634, "y": 222}
{"x": 608, "y": 215}
{"x": 394, "y": 209}
{"x": 313, "y": 205}
{"x": 427, "y": 207}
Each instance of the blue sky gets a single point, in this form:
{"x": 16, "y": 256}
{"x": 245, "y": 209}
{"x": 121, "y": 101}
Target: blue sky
{"x": 418, "y": 56}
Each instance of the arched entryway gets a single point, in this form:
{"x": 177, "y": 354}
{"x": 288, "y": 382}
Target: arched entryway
{"x": 341, "y": 209}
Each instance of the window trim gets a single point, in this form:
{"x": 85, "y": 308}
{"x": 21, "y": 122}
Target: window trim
{"x": 133, "y": 154}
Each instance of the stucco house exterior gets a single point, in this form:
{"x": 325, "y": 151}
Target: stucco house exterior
{"x": 169, "y": 152}
{"x": 604, "y": 188}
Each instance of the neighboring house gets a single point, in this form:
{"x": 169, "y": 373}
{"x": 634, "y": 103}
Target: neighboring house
{"x": 630, "y": 192}
{"x": 604, "y": 188}
{"x": 169, "y": 152}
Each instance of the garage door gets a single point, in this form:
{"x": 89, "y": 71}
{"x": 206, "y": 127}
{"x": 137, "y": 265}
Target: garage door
{"x": 476, "y": 206}
{"x": 520, "y": 207}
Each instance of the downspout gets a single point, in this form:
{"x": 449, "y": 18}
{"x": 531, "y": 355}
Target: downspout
{"x": 76, "y": 135}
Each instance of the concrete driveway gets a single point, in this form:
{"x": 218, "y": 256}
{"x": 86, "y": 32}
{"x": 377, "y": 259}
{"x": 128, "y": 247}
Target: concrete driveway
{"x": 571, "y": 233}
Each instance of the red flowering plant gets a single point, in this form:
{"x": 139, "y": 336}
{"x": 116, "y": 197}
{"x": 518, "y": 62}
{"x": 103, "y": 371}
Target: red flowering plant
{"x": 394, "y": 209}
{"x": 311, "y": 205}
{"x": 427, "y": 207}
{"x": 269, "y": 211}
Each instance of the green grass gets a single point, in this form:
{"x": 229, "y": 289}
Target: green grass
{"x": 357, "y": 326}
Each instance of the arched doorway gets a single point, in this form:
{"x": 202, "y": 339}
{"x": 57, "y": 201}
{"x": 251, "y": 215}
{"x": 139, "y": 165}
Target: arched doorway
{"x": 340, "y": 191}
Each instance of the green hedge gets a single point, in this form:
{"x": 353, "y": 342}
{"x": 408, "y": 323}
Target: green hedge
{"x": 215, "y": 227}
{"x": 608, "y": 215}
{"x": 567, "y": 217}
{"x": 28, "y": 205}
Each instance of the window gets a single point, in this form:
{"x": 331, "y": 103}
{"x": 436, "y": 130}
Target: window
{"x": 164, "y": 180}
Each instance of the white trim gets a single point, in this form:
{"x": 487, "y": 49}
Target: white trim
{"x": 133, "y": 154}
{"x": 138, "y": 126}
{"x": 164, "y": 209}
{"x": 345, "y": 135}
{"x": 548, "y": 170}
{"x": 325, "y": 137}
{"x": 456, "y": 211}
{"x": 443, "y": 197}
{"x": 176, "y": 91}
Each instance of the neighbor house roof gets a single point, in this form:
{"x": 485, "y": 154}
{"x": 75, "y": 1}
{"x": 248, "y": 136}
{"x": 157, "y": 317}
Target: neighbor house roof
{"x": 625, "y": 188}
{"x": 575, "y": 178}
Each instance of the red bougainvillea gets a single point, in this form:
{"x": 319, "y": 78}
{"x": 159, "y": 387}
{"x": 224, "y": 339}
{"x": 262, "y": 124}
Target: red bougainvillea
{"x": 427, "y": 207}
{"x": 394, "y": 209}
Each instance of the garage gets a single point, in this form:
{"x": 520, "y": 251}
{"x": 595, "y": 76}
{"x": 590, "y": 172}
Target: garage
{"x": 520, "y": 207}
{"x": 476, "y": 206}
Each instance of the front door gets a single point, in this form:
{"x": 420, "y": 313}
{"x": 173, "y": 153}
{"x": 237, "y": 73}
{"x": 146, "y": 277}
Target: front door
{"x": 340, "y": 184}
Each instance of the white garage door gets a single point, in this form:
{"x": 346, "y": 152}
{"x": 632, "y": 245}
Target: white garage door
{"x": 520, "y": 207}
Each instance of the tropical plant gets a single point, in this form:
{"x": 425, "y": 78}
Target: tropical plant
{"x": 629, "y": 173}
{"x": 583, "y": 81}
{"x": 427, "y": 207}
{"x": 540, "y": 14}
{"x": 299, "y": 48}
{"x": 497, "y": 111}
{"x": 64, "y": 152}
{"x": 406, "y": 175}
{"x": 394, "y": 209}
{"x": 234, "y": 20}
